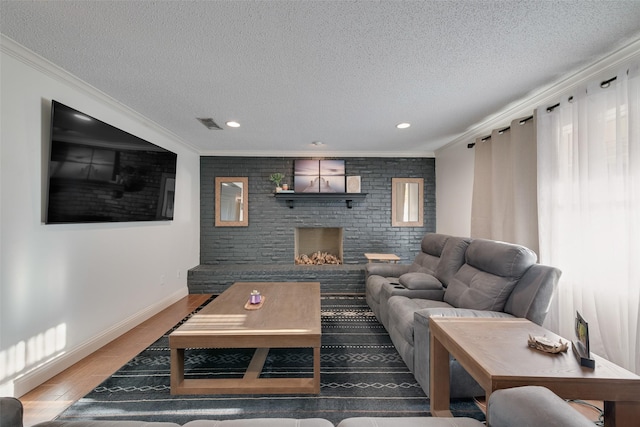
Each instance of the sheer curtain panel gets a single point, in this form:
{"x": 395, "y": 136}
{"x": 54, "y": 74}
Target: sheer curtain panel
{"x": 589, "y": 212}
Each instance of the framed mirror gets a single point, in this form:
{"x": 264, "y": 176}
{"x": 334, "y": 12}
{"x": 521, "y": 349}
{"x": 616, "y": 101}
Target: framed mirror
{"x": 407, "y": 202}
{"x": 232, "y": 201}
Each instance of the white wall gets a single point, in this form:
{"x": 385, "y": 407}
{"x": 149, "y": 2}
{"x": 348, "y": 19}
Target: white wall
{"x": 454, "y": 185}
{"x": 66, "y": 290}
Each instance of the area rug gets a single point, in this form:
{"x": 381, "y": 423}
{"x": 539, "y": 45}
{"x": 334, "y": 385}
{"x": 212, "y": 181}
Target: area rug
{"x": 362, "y": 374}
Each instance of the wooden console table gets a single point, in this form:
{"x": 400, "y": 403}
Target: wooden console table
{"x": 382, "y": 257}
{"x": 495, "y": 352}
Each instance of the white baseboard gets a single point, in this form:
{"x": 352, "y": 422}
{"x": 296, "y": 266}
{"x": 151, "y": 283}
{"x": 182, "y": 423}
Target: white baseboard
{"x": 64, "y": 360}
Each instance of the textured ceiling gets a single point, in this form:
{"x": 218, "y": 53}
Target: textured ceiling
{"x": 341, "y": 72}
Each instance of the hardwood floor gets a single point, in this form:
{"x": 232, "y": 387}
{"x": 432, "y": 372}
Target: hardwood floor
{"x": 52, "y": 397}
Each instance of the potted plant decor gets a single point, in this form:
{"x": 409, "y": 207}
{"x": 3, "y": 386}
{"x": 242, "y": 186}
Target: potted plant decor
{"x": 277, "y": 178}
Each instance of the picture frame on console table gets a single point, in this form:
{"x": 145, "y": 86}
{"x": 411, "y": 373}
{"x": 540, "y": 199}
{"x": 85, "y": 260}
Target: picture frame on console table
{"x": 581, "y": 345}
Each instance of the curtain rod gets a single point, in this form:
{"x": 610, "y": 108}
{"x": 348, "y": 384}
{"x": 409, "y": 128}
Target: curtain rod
{"x": 501, "y": 131}
{"x": 604, "y": 84}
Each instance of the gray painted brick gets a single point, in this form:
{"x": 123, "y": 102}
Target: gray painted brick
{"x": 268, "y": 240}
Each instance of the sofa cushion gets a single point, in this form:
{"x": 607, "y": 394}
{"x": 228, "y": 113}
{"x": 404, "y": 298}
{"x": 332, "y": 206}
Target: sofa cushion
{"x": 532, "y": 405}
{"x": 427, "y": 259}
{"x": 478, "y": 290}
{"x": 409, "y": 422}
{"x": 419, "y": 281}
{"x": 262, "y": 422}
{"x": 491, "y": 271}
{"x": 451, "y": 259}
{"x": 500, "y": 258}
{"x": 106, "y": 423}
{"x": 433, "y": 243}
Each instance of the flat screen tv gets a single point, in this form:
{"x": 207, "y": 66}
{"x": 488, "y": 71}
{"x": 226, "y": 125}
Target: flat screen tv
{"x": 98, "y": 173}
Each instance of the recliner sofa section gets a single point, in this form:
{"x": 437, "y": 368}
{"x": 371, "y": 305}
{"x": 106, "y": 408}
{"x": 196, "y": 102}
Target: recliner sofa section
{"x": 441, "y": 256}
{"x": 495, "y": 279}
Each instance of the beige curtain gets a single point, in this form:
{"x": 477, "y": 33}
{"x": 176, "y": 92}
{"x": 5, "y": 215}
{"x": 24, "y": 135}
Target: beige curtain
{"x": 504, "y": 203}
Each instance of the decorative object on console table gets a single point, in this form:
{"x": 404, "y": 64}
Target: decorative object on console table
{"x": 543, "y": 343}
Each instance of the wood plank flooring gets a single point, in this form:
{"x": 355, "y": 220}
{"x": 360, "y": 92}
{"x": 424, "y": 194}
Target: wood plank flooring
{"x": 52, "y": 397}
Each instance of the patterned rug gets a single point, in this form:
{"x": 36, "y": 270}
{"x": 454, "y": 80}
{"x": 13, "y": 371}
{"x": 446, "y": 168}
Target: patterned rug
{"x": 361, "y": 375}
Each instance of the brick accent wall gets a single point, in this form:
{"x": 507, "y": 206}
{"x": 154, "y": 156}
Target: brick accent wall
{"x": 269, "y": 238}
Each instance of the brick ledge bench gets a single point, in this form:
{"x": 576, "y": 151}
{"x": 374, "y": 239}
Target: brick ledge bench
{"x": 215, "y": 278}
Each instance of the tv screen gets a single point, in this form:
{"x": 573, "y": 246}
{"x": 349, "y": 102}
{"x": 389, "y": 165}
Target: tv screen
{"x": 98, "y": 173}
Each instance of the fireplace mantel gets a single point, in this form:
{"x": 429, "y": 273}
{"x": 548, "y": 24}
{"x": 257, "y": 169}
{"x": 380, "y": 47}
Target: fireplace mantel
{"x": 347, "y": 197}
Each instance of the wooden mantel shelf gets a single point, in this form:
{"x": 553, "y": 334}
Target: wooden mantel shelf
{"x": 290, "y": 198}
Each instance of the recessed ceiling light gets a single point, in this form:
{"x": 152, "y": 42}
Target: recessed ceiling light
{"x": 233, "y": 124}
{"x": 403, "y": 125}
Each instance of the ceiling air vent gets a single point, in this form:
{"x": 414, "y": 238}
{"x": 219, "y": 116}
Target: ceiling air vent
{"x": 209, "y": 123}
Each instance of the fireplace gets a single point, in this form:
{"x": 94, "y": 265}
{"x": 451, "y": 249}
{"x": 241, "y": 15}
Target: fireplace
{"x": 325, "y": 241}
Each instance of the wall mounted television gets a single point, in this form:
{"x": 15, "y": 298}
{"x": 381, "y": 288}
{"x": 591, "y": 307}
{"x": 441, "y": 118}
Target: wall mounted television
{"x": 98, "y": 173}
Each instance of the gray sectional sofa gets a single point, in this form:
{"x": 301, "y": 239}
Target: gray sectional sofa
{"x": 461, "y": 277}
{"x": 521, "y": 406}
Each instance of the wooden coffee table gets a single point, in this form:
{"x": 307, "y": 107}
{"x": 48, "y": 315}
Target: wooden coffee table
{"x": 289, "y": 318}
{"x": 495, "y": 353}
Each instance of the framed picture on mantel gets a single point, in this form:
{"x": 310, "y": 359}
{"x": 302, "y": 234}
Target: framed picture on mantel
{"x": 353, "y": 184}
{"x": 319, "y": 176}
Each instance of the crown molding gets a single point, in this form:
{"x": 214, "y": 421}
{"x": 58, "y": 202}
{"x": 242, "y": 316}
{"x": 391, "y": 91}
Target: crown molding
{"x": 315, "y": 153}
{"x": 33, "y": 60}
{"x": 547, "y": 95}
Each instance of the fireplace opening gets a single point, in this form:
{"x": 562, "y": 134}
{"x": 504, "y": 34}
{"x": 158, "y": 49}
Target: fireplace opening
{"x": 318, "y": 245}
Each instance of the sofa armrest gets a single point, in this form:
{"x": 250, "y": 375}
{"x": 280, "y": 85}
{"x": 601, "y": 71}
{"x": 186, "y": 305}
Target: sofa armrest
{"x": 422, "y": 316}
{"x": 532, "y": 405}
{"x": 385, "y": 269}
{"x": 11, "y": 412}
{"x": 532, "y": 295}
{"x": 462, "y": 384}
